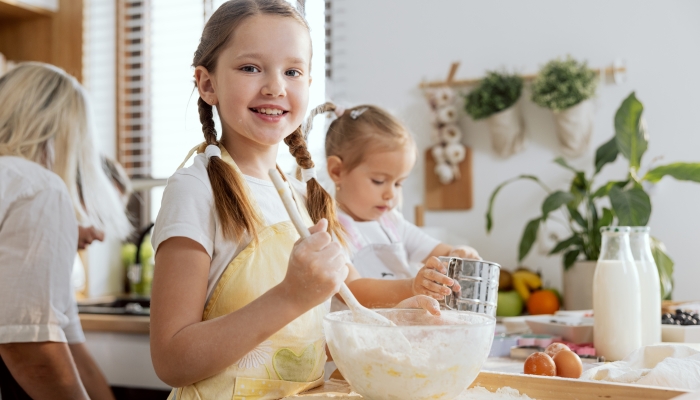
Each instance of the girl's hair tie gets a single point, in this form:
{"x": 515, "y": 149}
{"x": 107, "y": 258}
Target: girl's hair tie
{"x": 354, "y": 114}
{"x": 339, "y": 111}
{"x": 212, "y": 150}
{"x": 308, "y": 174}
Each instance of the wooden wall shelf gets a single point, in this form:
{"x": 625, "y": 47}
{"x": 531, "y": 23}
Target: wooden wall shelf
{"x": 30, "y": 33}
{"x": 454, "y": 196}
{"x": 15, "y": 10}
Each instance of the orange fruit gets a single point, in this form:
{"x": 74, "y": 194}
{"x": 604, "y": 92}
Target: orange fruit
{"x": 542, "y": 302}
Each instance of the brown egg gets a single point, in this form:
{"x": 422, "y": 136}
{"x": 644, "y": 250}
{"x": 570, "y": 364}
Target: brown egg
{"x": 540, "y": 364}
{"x": 568, "y": 364}
{"x": 555, "y": 348}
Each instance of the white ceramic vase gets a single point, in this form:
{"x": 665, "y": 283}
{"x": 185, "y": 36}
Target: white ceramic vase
{"x": 574, "y": 127}
{"x": 507, "y": 131}
{"x": 578, "y": 286}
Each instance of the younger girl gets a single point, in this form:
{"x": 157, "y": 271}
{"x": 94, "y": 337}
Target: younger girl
{"x": 369, "y": 155}
{"x": 238, "y": 300}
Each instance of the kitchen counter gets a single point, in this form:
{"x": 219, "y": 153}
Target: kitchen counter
{"x": 115, "y": 323}
{"x": 109, "y": 318}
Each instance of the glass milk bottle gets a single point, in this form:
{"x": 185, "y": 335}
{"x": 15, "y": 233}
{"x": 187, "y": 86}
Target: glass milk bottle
{"x": 616, "y": 297}
{"x": 649, "y": 285}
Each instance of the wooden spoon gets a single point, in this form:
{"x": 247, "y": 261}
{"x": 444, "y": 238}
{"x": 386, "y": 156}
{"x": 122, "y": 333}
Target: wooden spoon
{"x": 360, "y": 313}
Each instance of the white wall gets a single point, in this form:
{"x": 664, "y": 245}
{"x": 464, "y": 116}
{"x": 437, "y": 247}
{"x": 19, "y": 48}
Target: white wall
{"x": 382, "y": 49}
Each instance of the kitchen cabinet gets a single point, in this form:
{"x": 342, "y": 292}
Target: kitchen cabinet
{"x": 120, "y": 345}
{"x": 49, "y": 31}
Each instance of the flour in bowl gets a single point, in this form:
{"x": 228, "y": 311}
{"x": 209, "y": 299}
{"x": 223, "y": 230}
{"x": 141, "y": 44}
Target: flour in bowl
{"x": 428, "y": 362}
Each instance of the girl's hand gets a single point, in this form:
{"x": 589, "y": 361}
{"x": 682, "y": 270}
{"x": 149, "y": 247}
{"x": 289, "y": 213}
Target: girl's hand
{"x": 465, "y": 252}
{"x": 87, "y": 235}
{"x": 432, "y": 281}
{"x": 316, "y": 268}
{"x": 427, "y": 303}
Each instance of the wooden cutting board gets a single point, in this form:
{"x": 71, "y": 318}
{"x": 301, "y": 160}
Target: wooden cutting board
{"x": 536, "y": 387}
{"x": 454, "y": 196}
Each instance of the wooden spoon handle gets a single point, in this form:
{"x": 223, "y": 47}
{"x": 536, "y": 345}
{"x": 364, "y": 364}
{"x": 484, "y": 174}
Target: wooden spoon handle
{"x": 290, "y": 205}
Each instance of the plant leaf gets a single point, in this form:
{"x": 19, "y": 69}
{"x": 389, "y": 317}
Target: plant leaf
{"x": 607, "y": 218}
{"x": 631, "y": 206}
{"x": 561, "y": 84}
{"x": 680, "y": 171}
{"x": 554, "y": 201}
{"x": 605, "y": 189}
{"x": 565, "y": 244}
{"x": 570, "y": 258}
{"x": 495, "y": 92}
{"x": 578, "y": 188}
{"x": 593, "y": 213}
{"x": 606, "y": 153}
{"x": 529, "y": 237}
{"x": 489, "y": 215}
{"x": 576, "y": 215}
{"x": 563, "y": 163}
{"x": 664, "y": 264}
{"x": 630, "y": 131}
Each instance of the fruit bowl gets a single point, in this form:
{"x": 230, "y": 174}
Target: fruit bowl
{"x": 422, "y": 357}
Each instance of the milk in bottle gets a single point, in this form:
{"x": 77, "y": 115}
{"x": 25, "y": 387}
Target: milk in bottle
{"x": 649, "y": 285}
{"x": 616, "y": 297}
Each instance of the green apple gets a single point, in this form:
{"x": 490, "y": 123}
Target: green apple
{"x": 128, "y": 254}
{"x": 510, "y": 304}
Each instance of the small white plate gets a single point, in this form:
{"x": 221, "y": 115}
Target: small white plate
{"x": 680, "y": 334}
{"x": 572, "y": 329}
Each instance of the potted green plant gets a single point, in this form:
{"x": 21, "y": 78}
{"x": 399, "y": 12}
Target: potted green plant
{"x": 495, "y": 99}
{"x": 566, "y": 87}
{"x": 588, "y": 207}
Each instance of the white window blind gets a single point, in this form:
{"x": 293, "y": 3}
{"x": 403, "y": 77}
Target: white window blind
{"x": 133, "y": 87}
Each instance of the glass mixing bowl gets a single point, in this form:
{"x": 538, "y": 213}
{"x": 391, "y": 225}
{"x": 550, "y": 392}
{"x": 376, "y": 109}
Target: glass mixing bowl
{"x": 423, "y": 357}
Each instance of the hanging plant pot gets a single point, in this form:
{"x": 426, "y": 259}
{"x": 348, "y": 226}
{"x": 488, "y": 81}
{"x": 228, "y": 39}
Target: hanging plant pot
{"x": 566, "y": 87}
{"x": 507, "y": 131}
{"x": 495, "y": 99}
{"x": 574, "y": 127}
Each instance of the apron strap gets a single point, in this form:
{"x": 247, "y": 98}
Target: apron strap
{"x": 389, "y": 229}
{"x": 189, "y": 155}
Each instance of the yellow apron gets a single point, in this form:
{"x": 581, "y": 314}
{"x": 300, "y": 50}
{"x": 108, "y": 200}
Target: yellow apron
{"x": 288, "y": 362}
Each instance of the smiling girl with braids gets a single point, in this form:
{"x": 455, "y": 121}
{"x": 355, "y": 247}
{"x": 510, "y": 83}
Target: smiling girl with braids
{"x": 238, "y": 300}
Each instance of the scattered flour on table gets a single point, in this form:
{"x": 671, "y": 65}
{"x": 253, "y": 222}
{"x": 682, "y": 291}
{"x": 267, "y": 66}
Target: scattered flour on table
{"x": 504, "y": 393}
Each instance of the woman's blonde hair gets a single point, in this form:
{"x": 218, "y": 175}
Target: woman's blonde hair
{"x": 361, "y": 131}
{"x": 234, "y": 207}
{"x": 44, "y": 117}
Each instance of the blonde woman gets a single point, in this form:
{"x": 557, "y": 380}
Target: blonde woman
{"x": 45, "y": 148}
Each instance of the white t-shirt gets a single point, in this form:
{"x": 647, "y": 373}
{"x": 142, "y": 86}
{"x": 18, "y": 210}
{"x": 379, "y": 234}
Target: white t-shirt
{"x": 38, "y": 243}
{"x": 418, "y": 244}
{"x": 188, "y": 210}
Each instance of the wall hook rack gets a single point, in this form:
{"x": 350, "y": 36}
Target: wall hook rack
{"x": 617, "y": 70}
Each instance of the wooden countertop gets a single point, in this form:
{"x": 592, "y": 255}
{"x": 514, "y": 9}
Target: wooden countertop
{"x": 115, "y": 323}
{"x": 536, "y": 387}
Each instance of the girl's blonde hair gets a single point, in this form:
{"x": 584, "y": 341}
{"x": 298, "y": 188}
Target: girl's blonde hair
{"x": 44, "y": 117}
{"x": 361, "y": 131}
{"x": 234, "y": 207}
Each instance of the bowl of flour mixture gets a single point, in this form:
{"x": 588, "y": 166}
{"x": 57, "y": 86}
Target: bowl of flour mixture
{"x": 422, "y": 357}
